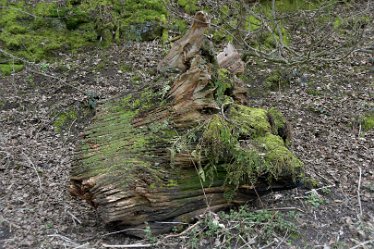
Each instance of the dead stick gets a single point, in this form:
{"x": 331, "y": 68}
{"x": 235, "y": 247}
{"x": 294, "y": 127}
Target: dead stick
{"x": 358, "y": 191}
{"x": 127, "y": 246}
{"x": 182, "y": 233}
{"x": 362, "y": 244}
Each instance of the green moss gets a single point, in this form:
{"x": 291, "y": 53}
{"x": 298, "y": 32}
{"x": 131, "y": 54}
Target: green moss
{"x": 277, "y": 80}
{"x": 112, "y": 146}
{"x": 223, "y": 85}
{"x": 190, "y": 6}
{"x": 279, "y": 160}
{"x": 250, "y": 121}
{"x": 277, "y": 119}
{"x": 368, "y": 122}
{"x": 279, "y": 125}
{"x": 293, "y": 5}
{"x": 314, "y": 92}
{"x": 36, "y": 32}
{"x": 8, "y": 69}
{"x": 217, "y": 140}
{"x": 219, "y": 145}
{"x": 252, "y": 23}
{"x": 179, "y": 25}
{"x": 64, "y": 119}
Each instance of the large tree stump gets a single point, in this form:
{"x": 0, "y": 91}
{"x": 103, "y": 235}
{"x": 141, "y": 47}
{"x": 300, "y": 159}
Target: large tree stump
{"x": 144, "y": 159}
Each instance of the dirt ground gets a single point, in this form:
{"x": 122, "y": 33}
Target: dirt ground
{"x": 36, "y": 210}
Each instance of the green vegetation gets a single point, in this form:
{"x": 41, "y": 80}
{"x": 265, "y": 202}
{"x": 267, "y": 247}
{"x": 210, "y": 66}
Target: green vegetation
{"x": 315, "y": 199}
{"x": 112, "y": 145}
{"x": 241, "y": 227}
{"x": 8, "y": 69}
{"x": 219, "y": 149}
{"x": 64, "y": 119}
{"x": 38, "y": 32}
{"x": 276, "y": 81}
{"x": 190, "y": 6}
{"x": 368, "y": 122}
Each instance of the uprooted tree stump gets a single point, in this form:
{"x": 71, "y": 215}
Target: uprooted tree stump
{"x": 146, "y": 160}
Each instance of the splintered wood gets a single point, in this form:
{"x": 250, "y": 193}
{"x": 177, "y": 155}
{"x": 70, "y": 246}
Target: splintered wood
{"x": 187, "y": 47}
{"x": 230, "y": 59}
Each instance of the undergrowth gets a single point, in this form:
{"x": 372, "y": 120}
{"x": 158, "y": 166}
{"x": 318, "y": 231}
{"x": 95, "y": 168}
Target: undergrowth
{"x": 240, "y": 229}
{"x": 37, "y": 31}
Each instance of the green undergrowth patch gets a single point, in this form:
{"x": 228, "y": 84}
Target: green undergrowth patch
{"x": 38, "y": 31}
{"x": 367, "y": 122}
{"x": 190, "y": 6}
{"x": 234, "y": 20}
{"x": 64, "y": 119}
{"x": 276, "y": 81}
{"x": 8, "y": 69}
{"x": 239, "y": 228}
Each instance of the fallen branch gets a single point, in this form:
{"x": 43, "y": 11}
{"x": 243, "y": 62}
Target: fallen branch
{"x": 127, "y": 246}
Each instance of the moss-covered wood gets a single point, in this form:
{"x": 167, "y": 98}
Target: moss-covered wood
{"x": 157, "y": 160}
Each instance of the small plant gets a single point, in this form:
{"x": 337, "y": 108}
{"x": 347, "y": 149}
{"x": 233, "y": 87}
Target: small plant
{"x": 44, "y": 67}
{"x": 315, "y": 199}
{"x": 148, "y": 235}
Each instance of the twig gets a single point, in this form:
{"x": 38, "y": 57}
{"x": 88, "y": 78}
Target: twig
{"x": 22, "y": 11}
{"x": 182, "y": 233}
{"x": 358, "y": 191}
{"x": 66, "y": 239}
{"x": 324, "y": 187}
{"x": 74, "y": 218}
{"x": 172, "y": 222}
{"x": 268, "y": 245}
{"x": 127, "y": 246}
{"x": 282, "y": 209}
{"x": 112, "y": 233}
{"x": 33, "y": 166}
{"x": 201, "y": 183}
{"x": 282, "y": 240}
{"x": 362, "y": 244}
{"x": 246, "y": 243}
{"x": 81, "y": 246}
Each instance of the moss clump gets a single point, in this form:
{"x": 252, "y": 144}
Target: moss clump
{"x": 368, "y": 122}
{"x": 279, "y": 125}
{"x": 190, "y": 6}
{"x": 250, "y": 121}
{"x": 277, "y": 80}
{"x": 64, "y": 119}
{"x": 8, "y": 69}
{"x": 264, "y": 154}
{"x": 279, "y": 160}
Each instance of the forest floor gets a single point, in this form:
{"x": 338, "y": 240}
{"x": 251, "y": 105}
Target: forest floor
{"x": 36, "y": 210}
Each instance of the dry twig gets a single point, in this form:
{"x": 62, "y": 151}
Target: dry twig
{"x": 358, "y": 191}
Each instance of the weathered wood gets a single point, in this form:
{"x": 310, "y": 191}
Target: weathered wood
{"x": 198, "y": 150}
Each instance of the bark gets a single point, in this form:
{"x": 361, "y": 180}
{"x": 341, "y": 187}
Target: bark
{"x": 197, "y": 150}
